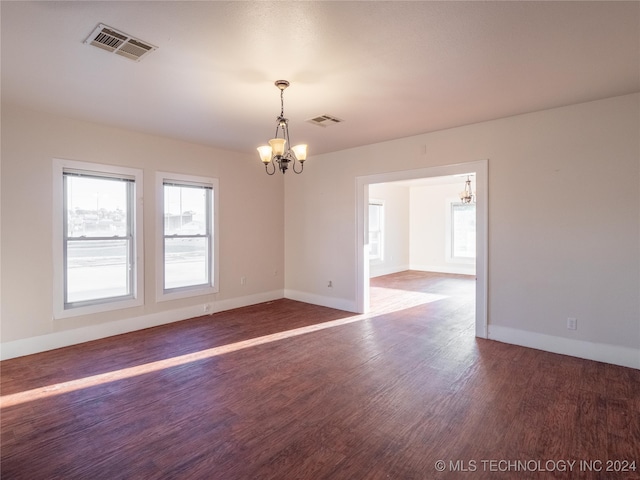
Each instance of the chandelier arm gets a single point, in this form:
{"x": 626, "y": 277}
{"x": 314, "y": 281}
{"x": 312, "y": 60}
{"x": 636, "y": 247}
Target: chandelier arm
{"x": 293, "y": 167}
{"x": 266, "y": 168}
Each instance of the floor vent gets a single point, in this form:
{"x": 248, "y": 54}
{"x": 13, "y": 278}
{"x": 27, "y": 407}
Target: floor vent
{"x": 120, "y": 43}
{"x": 324, "y": 120}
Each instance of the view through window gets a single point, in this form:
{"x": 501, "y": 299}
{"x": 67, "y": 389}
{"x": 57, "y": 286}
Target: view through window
{"x": 188, "y": 222}
{"x": 98, "y": 246}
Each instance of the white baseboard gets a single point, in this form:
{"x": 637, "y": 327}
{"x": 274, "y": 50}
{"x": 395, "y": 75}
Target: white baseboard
{"x": 379, "y": 270}
{"x": 65, "y": 338}
{"x": 624, "y": 356}
{"x": 231, "y": 303}
{"x": 600, "y": 352}
{"x": 331, "y": 302}
{"x": 453, "y": 269}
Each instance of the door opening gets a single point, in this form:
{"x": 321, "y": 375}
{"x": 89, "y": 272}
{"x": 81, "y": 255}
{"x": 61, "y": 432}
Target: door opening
{"x": 479, "y": 170}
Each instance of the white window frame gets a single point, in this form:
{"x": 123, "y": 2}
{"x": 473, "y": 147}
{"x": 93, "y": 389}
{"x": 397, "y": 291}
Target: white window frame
{"x": 450, "y": 258}
{"x": 212, "y": 287}
{"x": 379, "y": 258}
{"x": 60, "y": 310}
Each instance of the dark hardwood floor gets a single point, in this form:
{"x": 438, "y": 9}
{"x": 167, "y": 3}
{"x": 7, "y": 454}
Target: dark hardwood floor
{"x": 285, "y": 390}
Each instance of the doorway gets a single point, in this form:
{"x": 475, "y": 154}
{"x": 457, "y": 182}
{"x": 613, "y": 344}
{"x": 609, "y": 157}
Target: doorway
{"x": 479, "y": 169}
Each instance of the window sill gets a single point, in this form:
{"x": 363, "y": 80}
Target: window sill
{"x": 61, "y": 313}
{"x": 185, "y": 293}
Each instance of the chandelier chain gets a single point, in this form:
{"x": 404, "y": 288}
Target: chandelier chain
{"x": 281, "y": 117}
{"x": 282, "y": 102}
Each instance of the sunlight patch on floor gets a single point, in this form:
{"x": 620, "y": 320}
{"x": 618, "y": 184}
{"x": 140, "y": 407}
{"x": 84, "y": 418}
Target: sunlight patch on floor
{"x": 409, "y": 300}
{"x": 387, "y": 300}
{"x": 113, "y": 376}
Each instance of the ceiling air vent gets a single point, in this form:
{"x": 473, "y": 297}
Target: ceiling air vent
{"x": 120, "y": 43}
{"x": 324, "y": 120}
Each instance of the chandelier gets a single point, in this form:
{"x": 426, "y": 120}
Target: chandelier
{"x": 278, "y": 150}
{"x": 467, "y": 196}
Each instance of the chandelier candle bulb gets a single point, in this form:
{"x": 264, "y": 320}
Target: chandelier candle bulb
{"x": 277, "y": 144}
{"x": 265, "y": 152}
{"x": 300, "y": 151}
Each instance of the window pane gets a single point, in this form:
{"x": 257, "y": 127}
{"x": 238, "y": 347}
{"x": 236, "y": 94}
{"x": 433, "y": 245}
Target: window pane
{"x": 464, "y": 230}
{"x": 374, "y": 244}
{"x": 96, "y": 207}
{"x": 376, "y": 222}
{"x": 185, "y": 210}
{"x": 374, "y": 217}
{"x": 185, "y": 262}
{"x": 97, "y": 269}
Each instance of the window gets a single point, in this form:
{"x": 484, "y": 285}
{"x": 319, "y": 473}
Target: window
{"x": 188, "y": 236}
{"x": 376, "y": 230}
{"x": 463, "y": 230}
{"x": 97, "y": 238}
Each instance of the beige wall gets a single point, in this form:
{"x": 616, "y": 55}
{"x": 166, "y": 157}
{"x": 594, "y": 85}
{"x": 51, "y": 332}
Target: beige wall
{"x": 564, "y": 223}
{"x": 416, "y": 228}
{"x": 431, "y": 227}
{"x": 250, "y": 234}
{"x": 563, "y": 229}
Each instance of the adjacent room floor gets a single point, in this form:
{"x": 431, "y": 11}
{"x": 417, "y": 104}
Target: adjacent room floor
{"x": 286, "y": 390}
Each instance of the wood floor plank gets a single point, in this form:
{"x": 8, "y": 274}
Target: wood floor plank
{"x": 286, "y": 390}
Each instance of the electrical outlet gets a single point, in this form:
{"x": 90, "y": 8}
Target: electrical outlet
{"x": 206, "y": 308}
{"x": 243, "y": 281}
{"x": 572, "y": 323}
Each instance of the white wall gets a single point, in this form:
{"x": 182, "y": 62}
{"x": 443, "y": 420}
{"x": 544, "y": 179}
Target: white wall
{"x": 250, "y": 237}
{"x": 396, "y": 229}
{"x": 564, "y": 223}
{"x": 417, "y": 229}
{"x": 430, "y": 236}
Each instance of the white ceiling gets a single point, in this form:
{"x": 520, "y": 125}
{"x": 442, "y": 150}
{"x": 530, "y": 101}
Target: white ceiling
{"x": 388, "y": 69}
